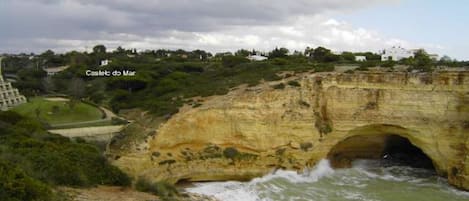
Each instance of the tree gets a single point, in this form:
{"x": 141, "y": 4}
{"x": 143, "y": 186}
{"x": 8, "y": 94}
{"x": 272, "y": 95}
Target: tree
{"x": 278, "y": 53}
{"x": 242, "y": 53}
{"x": 422, "y": 61}
{"x": 445, "y": 59}
{"x": 78, "y": 58}
{"x": 371, "y": 56}
{"x": 231, "y": 61}
{"x": 119, "y": 50}
{"x": 199, "y": 55}
{"x": 320, "y": 54}
{"x": 47, "y": 54}
{"x": 99, "y": 49}
{"x": 77, "y": 88}
{"x": 308, "y": 51}
{"x": 348, "y": 56}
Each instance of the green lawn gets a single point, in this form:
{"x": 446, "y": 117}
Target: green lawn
{"x": 58, "y": 112}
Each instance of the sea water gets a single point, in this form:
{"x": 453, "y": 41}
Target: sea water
{"x": 367, "y": 180}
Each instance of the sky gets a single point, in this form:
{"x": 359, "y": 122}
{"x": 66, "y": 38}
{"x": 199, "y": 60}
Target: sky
{"x": 226, "y": 25}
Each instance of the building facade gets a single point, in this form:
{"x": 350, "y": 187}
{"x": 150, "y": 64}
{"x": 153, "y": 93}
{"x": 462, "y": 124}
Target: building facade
{"x": 9, "y": 96}
{"x": 256, "y": 58}
{"x": 360, "y": 58}
{"x": 396, "y": 54}
{"x": 54, "y": 70}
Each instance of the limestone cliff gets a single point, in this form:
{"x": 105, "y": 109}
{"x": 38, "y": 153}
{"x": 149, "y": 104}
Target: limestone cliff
{"x": 252, "y": 131}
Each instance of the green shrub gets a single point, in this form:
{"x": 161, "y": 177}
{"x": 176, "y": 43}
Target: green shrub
{"x": 164, "y": 190}
{"x": 197, "y": 105}
{"x": 389, "y": 64}
{"x": 53, "y": 159}
{"x": 304, "y": 103}
{"x": 230, "y": 152}
{"x": 280, "y": 152}
{"x": 279, "y": 86}
{"x": 10, "y": 117}
{"x": 16, "y": 185}
{"x": 294, "y": 83}
{"x": 118, "y": 121}
{"x": 279, "y": 61}
{"x": 305, "y": 146}
{"x": 232, "y": 61}
{"x": 362, "y": 68}
{"x": 368, "y": 64}
{"x": 324, "y": 67}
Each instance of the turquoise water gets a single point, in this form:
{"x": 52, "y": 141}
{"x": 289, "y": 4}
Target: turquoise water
{"x": 365, "y": 181}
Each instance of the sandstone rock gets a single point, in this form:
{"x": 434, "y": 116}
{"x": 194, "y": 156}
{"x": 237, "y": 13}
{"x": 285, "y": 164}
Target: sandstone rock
{"x": 431, "y": 110}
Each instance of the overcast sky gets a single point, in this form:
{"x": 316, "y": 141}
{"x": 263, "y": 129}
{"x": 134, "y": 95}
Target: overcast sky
{"x": 228, "y": 25}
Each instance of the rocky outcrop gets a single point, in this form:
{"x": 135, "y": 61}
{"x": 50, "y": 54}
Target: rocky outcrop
{"x": 251, "y": 131}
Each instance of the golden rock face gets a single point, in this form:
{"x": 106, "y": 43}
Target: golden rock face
{"x": 251, "y": 131}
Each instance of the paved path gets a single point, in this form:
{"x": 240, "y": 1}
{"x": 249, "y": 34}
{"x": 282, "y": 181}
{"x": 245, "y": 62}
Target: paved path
{"x": 57, "y": 99}
{"x": 88, "y": 131}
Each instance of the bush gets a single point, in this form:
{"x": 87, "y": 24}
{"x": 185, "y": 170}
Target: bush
{"x": 368, "y": 64}
{"x": 349, "y": 71}
{"x": 294, "y": 83}
{"x": 362, "y": 68}
{"x": 230, "y": 152}
{"x": 305, "y": 146}
{"x": 279, "y": 61}
{"x": 53, "y": 159}
{"x": 232, "y": 61}
{"x": 16, "y": 185}
{"x": 389, "y": 64}
{"x": 279, "y": 86}
{"x": 324, "y": 68}
{"x": 164, "y": 190}
{"x": 118, "y": 121}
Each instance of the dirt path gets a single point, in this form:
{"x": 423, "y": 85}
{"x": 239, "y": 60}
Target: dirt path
{"x": 114, "y": 193}
{"x": 109, "y": 113}
{"x": 108, "y": 193}
{"x": 57, "y": 99}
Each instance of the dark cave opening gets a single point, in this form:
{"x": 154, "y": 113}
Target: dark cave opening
{"x": 389, "y": 149}
{"x": 400, "y": 151}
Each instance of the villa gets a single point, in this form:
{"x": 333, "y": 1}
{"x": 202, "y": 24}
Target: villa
{"x": 9, "y": 96}
{"x": 54, "y": 70}
{"x": 396, "y": 54}
{"x": 256, "y": 58}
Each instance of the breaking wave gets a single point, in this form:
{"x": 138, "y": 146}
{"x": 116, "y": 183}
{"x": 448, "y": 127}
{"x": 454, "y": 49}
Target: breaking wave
{"x": 365, "y": 181}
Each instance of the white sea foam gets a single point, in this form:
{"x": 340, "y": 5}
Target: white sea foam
{"x": 246, "y": 191}
{"x": 323, "y": 168}
{"x": 227, "y": 191}
{"x": 322, "y": 183}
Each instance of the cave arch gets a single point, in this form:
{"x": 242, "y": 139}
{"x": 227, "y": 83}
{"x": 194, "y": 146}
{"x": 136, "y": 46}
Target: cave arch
{"x": 391, "y": 143}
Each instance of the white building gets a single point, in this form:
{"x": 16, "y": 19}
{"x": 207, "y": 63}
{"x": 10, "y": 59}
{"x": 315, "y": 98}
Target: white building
{"x": 396, "y": 54}
{"x": 434, "y": 56}
{"x": 9, "y": 96}
{"x": 54, "y": 70}
{"x": 360, "y": 58}
{"x": 256, "y": 58}
{"x": 104, "y": 62}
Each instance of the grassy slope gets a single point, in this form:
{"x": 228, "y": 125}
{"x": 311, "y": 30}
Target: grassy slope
{"x": 33, "y": 161}
{"x": 80, "y": 112}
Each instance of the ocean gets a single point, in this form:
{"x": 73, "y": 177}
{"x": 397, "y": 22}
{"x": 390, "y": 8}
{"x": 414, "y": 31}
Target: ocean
{"x": 366, "y": 180}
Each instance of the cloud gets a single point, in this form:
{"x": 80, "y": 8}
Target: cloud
{"x": 214, "y": 25}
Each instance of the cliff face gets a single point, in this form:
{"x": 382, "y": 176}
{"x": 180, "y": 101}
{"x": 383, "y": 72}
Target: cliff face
{"x": 251, "y": 131}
